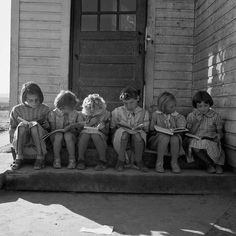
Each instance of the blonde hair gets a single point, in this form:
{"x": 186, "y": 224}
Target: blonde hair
{"x": 163, "y": 99}
{"x": 91, "y": 100}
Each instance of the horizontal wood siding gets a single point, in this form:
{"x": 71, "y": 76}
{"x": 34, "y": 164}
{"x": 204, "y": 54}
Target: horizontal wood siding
{"x": 214, "y": 65}
{"x": 44, "y": 45}
{"x": 174, "y": 23}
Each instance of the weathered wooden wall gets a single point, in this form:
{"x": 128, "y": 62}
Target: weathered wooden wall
{"x": 40, "y": 45}
{"x": 214, "y": 65}
{"x": 174, "y": 24}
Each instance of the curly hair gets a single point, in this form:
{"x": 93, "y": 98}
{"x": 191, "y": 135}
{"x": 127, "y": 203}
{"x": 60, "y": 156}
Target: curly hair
{"x": 31, "y": 88}
{"x": 91, "y": 100}
{"x": 202, "y": 96}
{"x": 163, "y": 99}
{"x": 65, "y": 98}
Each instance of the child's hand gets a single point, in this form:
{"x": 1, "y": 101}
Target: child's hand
{"x": 101, "y": 126}
{"x": 68, "y": 128}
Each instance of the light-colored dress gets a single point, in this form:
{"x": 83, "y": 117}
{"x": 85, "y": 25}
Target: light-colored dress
{"x": 102, "y": 117}
{"x": 121, "y": 115}
{"x": 208, "y": 125}
{"x": 170, "y": 121}
{"x": 28, "y": 113}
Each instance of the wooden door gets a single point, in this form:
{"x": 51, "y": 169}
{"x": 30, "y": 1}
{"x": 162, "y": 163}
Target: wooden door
{"x": 107, "y": 51}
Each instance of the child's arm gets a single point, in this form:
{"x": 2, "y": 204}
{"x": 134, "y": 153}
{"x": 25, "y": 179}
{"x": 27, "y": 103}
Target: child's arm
{"x": 192, "y": 123}
{"x": 52, "y": 120}
{"x": 146, "y": 122}
{"x": 219, "y": 127}
{"x": 13, "y": 124}
{"x": 181, "y": 121}
{"x": 104, "y": 126}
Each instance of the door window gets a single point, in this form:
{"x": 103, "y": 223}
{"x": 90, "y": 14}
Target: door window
{"x": 108, "y": 15}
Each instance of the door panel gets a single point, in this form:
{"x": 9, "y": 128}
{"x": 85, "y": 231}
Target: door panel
{"x": 107, "y": 47}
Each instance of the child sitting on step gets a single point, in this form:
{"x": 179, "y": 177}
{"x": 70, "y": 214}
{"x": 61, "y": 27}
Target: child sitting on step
{"x": 65, "y": 116}
{"x": 28, "y": 124}
{"x": 167, "y": 117}
{"x": 96, "y": 129}
{"x": 206, "y": 124}
{"x": 129, "y": 125}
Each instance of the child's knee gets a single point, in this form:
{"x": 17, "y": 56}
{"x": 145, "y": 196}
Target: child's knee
{"x": 174, "y": 140}
{"x": 69, "y": 137}
{"x": 21, "y": 130}
{"x": 34, "y": 131}
{"x": 125, "y": 136}
{"x": 58, "y": 137}
{"x": 137, "y": 138}
{"x": 164, "y": 138}
{"x": 95, "y": 137}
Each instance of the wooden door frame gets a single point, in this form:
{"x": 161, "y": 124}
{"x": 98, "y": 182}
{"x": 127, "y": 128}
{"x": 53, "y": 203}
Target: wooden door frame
{"x": 148, "y": 57}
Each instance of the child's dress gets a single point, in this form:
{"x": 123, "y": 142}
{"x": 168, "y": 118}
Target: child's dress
{"x": 28, "y": 113}
{"x": 101, "y": 117}
{"x": 208, "y": 126}
{"x": 58, "y": 120}
{"x": 121, "y": 115}
{"x": 170, "y": 121}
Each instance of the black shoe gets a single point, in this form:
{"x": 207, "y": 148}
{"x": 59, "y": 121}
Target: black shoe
{"x": 39, "y": 164}
{"x": 81, "y": 165}
{"x": 101, "y": 166}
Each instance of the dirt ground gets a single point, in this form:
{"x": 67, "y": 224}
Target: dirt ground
{"x": 37, "y": 213}
{"x": 4, "y": 120}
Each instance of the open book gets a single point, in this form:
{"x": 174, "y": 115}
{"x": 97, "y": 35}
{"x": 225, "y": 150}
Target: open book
{"x": 138, "y": 127}
{"x": 170, "y": 131}
{"x": 213, "y": 139}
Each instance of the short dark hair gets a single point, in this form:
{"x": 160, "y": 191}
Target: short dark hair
{"x": 129, "y": 93}
{"x": 31, "y": 88}
{"x": 65, "y": 98}
{"x": 202, "y": 96}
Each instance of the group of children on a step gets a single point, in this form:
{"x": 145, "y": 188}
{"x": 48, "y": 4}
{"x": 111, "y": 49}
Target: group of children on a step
{"x": 128, "y": 125}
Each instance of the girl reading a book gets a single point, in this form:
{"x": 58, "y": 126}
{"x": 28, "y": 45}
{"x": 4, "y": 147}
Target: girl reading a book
{"x": 206, "y": 124}
{"x": 95, "y": 132}
{"x": 66, "y": 119}
{"x": 129, "y": 126}
{"x": 166, "y": 117}
{"x": 28, "y": 123}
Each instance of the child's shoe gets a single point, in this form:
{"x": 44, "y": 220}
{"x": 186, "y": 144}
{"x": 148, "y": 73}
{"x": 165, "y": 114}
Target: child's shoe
{"x": 211, "y": 169}
{"x": 101, "y": 166}
{"x": 81, "y": 165}
{"x": 159, "y": 168}
{"x": 175, "y": 168}
{"x": 16, "y": 165}
{"x": 120, "y": 165}
{"x": 142, "y": 167}
{"x": 57, "y": 164}
{"x": 39, "y": 164}
{"x": 219, "y": 169}
{"x": 71, "y": 164}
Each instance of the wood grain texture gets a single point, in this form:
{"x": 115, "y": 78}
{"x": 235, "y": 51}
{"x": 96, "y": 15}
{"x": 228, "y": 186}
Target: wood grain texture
{"x": 214, "y": 66}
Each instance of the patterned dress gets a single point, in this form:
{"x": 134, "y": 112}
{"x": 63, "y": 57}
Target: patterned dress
{"x": 206, "y": 125}
{"x": 132, "y": 119}
{"x": 58, "y": 120}
{"x": 28, "y": 113}
{"x": 170, "y": 121}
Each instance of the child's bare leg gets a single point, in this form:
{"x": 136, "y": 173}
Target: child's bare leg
{"x": 121, "y": 155}
{"x": 57, "y": 142}
{"x": 36, "y": 139}
{"x": 138, "y": 144}
{"x": 19, "y": 152}
{"x": 163, "y": 142}
{"x": 99, "y": 144}
{"x": 174, "y": 150}
{"x": 202, "y": 155}
{"x": 101, "y": 149}
{"x": 20, "y": 142}
{"x": 82, "y": 147}
{"x": 70, "y": 145}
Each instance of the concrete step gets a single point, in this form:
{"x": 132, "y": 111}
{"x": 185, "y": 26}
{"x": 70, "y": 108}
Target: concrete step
{"x": 111, "y": 181}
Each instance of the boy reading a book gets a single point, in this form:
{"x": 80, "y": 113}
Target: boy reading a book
{"x": 95, "y": 132}
{"x": 67, "y": 119}
{"x": 167, "y": 117}
{"x": 129, "y": 126}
